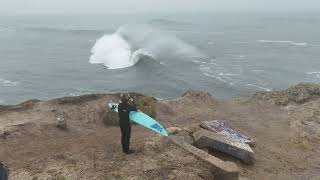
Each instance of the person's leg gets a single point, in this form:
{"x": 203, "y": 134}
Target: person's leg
{"x": 123, "y": 137}
{"x": 126, "y": 138}
{"x": 129, "y": 136}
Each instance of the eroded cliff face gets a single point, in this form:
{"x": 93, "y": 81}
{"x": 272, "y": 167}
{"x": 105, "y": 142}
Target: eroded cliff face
{"x": 284, "y": 123}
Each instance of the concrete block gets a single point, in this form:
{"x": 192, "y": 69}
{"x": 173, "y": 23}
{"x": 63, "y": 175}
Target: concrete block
{"x": 222, "y": 170}
{"x": 208, "y": 139}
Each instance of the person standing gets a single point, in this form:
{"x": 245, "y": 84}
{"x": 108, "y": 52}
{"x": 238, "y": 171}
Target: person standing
{"x": 124, "y": 110}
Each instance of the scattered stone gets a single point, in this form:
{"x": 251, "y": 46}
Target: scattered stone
{"x": 184, "y": 176}
{"x": 173, "y": 130}
{"x": 133, "y": 178}
{"x": 192, "y": 128}
{"x": 4, "y": 134}
{"x": 149, "y": 165}
{"x": 150, "y": 146}
{"x": 61, "y": 122}
{"x": 207, "y": 139}
{"x": 172, "y": 177}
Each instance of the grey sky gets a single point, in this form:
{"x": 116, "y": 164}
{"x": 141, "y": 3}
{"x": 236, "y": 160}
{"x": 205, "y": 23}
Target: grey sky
{"x": 129, "y": 6}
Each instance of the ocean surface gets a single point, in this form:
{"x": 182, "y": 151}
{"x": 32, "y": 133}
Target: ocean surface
{"x": 163, "y": 55}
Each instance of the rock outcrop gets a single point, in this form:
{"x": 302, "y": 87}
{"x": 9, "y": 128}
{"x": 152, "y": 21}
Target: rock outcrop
{"x": 288, "y": 137}
{"x": 299, "y": 94}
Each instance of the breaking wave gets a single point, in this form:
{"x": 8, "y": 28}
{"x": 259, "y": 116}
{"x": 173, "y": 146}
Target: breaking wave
{"x": 125, "y": 47}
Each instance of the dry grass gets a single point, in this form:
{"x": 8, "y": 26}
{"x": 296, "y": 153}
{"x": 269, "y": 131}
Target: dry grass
{"x": 147, "y": 105}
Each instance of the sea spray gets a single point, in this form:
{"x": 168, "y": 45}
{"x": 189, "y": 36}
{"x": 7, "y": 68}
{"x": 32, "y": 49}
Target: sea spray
{"x": 124, "y": 47}
{"x": 112, "y": 51}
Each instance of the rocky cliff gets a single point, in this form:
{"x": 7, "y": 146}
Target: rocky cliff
{"x": 285, "y": 125}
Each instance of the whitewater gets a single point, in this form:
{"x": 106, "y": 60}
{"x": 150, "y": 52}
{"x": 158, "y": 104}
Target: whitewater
{"x": 124, "y": 48}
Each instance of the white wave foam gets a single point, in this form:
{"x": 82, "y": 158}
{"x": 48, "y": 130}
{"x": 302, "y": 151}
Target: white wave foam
{"x": 315, "y": 73}
{"x": 260, "y": 87}
{"x": 258, "y": 70}
{"x": 211, "y": 72}
{"x": 287, "y": 42}
{"x": 299, "y": 44}
{"x": 199, "y": 62}
{"x": 227, "y": 75}
{"x": 240, "y": 42}
{"x": 8, "y": 83}
{"x": 112, "y": 51}
{"x": 274, "y": 41}
{"x": 80, "y": 91}
{"x": 124, "y": 47}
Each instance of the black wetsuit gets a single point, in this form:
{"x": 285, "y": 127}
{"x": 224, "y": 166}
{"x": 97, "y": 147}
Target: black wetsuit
{"x": 125, "y": 126}
{"x": 4, "y": 172}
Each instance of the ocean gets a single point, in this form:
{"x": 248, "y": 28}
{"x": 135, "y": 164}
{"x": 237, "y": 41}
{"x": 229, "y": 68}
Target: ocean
{"x": 45, "y": 56}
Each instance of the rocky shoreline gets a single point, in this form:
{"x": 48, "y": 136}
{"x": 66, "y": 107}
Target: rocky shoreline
{"x": 286, "y": 125}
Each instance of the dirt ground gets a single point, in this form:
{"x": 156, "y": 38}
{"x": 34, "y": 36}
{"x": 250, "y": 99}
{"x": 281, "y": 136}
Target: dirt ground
{"x": 288, "y": 139}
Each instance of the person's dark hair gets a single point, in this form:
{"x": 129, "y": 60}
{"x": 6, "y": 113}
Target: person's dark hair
{"x": 125, "y": 98}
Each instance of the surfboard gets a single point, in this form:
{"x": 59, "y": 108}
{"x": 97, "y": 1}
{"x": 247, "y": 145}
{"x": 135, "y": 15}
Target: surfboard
{"x": 142, "y": 119}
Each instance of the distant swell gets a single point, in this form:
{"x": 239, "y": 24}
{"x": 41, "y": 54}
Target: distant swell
{"x": 125, "y": 47}
{"x": 285, "y": 42}
{"x": 57, "y": 30}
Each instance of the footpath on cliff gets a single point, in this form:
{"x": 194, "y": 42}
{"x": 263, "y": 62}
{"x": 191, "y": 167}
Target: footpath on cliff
{"x": 285, "y": 125}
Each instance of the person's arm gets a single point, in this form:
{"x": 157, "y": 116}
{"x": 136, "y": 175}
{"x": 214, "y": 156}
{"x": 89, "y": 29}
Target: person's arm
{"x": 132, "y": 108}
{"x": 132, "y": 105}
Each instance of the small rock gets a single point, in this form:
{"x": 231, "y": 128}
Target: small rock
{"x": 134, "y": 178}
{"x": 183, "y": 176}
{"x": 192, "y": 128}
{"x": 4, "y": 134}
{"x": 149, "y": 165}
{"x": 150, "y": 146}
{"x": 61, "y": 123}
{"x": 172, "y": 177}
{"x": 173, "y": 130}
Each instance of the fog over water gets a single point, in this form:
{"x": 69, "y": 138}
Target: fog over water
{"x": 173, "y": 6}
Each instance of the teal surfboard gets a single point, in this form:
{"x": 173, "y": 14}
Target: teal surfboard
{"x": 142, "y": 119}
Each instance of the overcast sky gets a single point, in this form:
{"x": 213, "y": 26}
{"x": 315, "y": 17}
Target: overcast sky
{"x": 133, "y": 6}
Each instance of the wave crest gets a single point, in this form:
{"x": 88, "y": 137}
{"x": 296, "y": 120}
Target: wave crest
{"x": 125, "y": 47}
